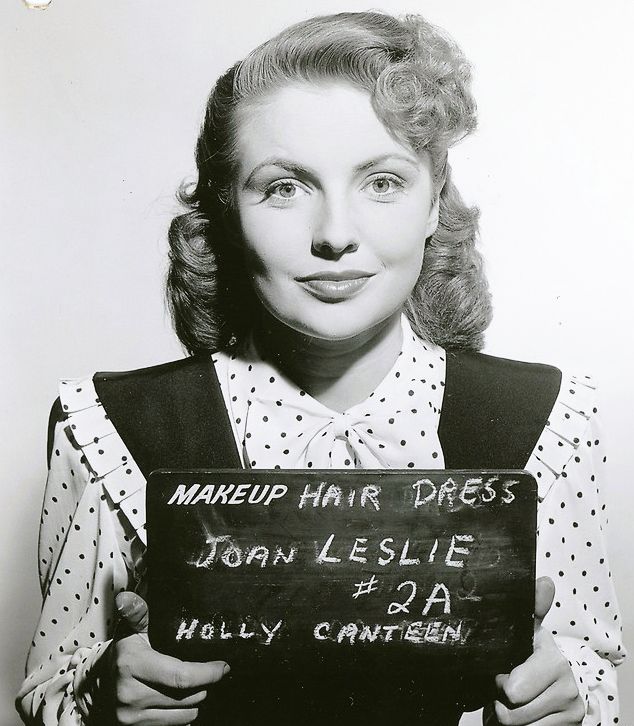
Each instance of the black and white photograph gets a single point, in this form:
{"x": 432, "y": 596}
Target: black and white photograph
{"x": 316, "y": 376}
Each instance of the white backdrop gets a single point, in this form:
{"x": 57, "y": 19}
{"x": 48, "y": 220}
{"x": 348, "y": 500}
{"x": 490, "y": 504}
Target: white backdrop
{"x": 99, "y": 107}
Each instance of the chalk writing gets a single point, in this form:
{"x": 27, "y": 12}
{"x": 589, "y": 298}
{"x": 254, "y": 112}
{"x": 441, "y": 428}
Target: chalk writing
{"x": 227, "y": 494}
{"x": 444, "y": 598}
{"x": 231, "y": 554}
{"x": 219, "y": 628}
{"x": 418, "y": 631}
{"x": 403, "y": 552}
{"x": 365, "y": 587}
{"x": 303, "y": 565}
{"x": 325, "y": 495}
{"x": 473, "y": 492}
{"x": 395, "y": 607}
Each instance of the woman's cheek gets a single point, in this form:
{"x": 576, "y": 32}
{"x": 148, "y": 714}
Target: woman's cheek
{"x": 398, "y": 252}
{"x": 268, "y": 266}
{"x": 395, "y": 232}
{"x": 265, "y": 253}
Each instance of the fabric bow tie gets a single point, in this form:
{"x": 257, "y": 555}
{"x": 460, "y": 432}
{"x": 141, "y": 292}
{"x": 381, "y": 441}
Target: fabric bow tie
{"x": 307, "y": 435}
{"x": 283, "y": 427}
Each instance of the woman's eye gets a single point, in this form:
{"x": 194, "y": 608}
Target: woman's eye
{"x": 283, "y": 190}
{"x": 384, "y": 186}
{"x": 381, "y": 186}
{"x": 286, "y": 190}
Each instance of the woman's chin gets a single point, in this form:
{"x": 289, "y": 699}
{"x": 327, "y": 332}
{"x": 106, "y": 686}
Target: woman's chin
{"x": 338, "y": 325}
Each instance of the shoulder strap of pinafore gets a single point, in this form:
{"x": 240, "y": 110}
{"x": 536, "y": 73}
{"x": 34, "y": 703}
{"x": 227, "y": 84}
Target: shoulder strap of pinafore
{"x": 494, "y": 410}
{"x": 171, "y": 416}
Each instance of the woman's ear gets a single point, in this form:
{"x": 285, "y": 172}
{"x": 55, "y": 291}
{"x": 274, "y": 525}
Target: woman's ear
{"x": 432, "y": 219}
{"x": 439, "y": 181}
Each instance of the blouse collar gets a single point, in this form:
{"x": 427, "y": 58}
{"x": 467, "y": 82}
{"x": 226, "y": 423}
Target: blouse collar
{"x": 279, "y": 426}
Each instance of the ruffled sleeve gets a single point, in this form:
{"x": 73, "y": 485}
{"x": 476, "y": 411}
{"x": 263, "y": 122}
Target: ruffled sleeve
{"x": 91, "y": 547}
{"x": 569, "y": 464}
{"x": 105, "y": 455}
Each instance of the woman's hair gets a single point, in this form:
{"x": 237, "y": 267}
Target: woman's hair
{"x": 419, "y": 83}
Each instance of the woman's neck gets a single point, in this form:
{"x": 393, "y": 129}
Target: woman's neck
{"x": 338, "y": 373}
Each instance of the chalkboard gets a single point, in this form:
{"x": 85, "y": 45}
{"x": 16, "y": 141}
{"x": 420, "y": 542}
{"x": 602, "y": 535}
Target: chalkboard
{"x": 332, "y": 571}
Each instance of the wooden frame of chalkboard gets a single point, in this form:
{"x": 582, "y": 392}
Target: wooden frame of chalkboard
{"x": 343, "y": 570}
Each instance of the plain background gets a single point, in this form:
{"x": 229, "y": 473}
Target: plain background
{"x": 100, "y": 104}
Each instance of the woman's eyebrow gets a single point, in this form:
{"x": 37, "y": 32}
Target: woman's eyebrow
{"x": 376, "y": 161}
{"x": 285, "y": 164}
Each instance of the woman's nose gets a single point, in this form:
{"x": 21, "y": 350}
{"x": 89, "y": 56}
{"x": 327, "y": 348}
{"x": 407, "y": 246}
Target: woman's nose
{"x": 334, "y": 232}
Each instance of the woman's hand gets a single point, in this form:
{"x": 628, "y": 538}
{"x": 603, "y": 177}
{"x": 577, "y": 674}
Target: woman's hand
{"x": 542, "y": 690}
{"x": 148, "y": 688}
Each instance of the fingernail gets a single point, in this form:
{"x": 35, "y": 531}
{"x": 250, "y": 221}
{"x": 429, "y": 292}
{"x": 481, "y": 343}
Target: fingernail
{"x": 130, "y": 606}
{"x": 226, "y": 669}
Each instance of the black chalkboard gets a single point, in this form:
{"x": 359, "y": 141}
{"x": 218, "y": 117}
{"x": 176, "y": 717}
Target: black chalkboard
{"x": 337, "y": 571}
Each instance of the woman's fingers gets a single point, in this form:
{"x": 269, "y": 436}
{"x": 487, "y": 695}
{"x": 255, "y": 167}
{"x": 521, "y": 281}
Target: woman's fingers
{"x": 164, "y": 671}
{"x": 141, "y": 696}
{"x": 151, "y": 687}
{"x": 532, "y": 677}
{"x": 544, "y": 596}
{"x": 133, "y": 611}
{"x": 542, "y": 690}
{"x": 556, "y": 701}
{"x": 555, "y": 719}
{"x": 157, "y": 717}
{"x": 526, "y": 682}
{"x": 135, "y": 659}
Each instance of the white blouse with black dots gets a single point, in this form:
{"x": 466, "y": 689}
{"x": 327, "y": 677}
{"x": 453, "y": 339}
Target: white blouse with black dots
{"x": 92, "y": 537}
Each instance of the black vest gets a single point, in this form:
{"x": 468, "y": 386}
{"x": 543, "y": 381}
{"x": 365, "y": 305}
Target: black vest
{"x": 173, "y": 416}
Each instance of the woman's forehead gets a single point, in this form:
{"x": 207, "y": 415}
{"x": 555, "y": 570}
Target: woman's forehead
{"x": 321, "y": 125}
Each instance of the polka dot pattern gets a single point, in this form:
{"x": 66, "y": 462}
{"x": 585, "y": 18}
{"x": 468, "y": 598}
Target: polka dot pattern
{"x": 277, "y": 425}
{"x": 569, "y": 463}
{"x": 89, "y": 550}
{"x": 92, "y": 537}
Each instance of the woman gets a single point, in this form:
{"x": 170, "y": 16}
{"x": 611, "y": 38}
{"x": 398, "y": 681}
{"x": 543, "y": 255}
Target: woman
{"x": 328, "y": 260}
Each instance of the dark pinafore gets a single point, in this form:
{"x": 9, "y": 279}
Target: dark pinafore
{"x": 173, "y": 416}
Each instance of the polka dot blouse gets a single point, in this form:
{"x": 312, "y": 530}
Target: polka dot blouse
{"x": 92, "y": 536}
{"x": 276, "y": 425}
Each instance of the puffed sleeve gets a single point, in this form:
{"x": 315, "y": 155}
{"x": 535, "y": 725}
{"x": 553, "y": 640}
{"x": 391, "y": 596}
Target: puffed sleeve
{"x": 82, "y": 566}
{"x": 570, "y": 465}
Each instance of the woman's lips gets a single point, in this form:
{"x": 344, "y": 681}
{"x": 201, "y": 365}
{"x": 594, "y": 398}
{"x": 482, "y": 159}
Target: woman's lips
{"x": 334, "y": 290}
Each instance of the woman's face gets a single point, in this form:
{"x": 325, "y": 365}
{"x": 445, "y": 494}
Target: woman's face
{"x": 334, "y": 211}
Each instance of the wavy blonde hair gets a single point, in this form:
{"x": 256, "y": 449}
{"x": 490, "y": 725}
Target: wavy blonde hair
{"x": 419, "y": 83}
